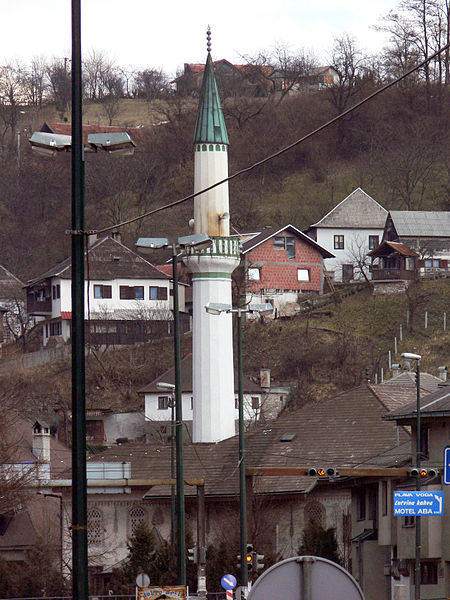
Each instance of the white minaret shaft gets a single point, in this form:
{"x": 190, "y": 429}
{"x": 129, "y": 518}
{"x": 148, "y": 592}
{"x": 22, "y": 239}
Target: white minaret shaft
{"x": 213, "y": 370}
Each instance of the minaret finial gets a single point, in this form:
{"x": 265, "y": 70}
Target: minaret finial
{"x": 208, "y": 39}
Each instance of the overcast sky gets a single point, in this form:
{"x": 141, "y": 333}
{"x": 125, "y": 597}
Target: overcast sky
{"x": 158, "y": 33}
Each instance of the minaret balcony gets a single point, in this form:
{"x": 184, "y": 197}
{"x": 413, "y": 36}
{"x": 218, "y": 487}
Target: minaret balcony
{"x": 221, "y": 246}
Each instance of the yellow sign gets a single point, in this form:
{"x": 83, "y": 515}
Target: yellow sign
{"x": 156, "y": 592}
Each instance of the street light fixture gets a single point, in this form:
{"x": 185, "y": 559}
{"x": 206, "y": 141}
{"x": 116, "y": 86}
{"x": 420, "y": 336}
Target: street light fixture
{"x": 49, "y": 144}
{"x": 417, "y": 358}
{"x": 198, "y": 243}
{"x": 217, "y": 308}
{"x": 170, "y": 387}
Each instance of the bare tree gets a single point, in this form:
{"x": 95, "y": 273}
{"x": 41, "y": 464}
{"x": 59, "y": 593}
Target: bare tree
{"x": 34, "y": 81}
{"x": 11, "y": 99}
{"x": 58, "y": 75}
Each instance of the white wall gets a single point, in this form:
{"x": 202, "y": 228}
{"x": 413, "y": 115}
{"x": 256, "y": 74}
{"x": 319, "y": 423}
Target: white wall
{"x": 355, "y": 241}
{"x": 152, "y": 412}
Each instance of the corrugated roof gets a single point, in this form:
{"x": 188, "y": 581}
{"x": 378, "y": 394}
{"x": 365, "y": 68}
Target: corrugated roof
{"x": 269, "y": 232}
{"x": 386, "y": 248}
{"x": 186, "y": 380}
{"x": 435, "y": 404}
{"x": 210, "y": 124}
{"x": 108, "y": 259}
{"x": 358, "y": 210}
{"x": 10, "y": 285}
{"x": 333, "y": 432}
{"x": 421, "y": 223}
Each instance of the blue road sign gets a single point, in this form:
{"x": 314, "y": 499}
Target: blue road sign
{"x": 447, "y": 465}
{"x": 418, "y": 504}
{"x": 228, "y": 582}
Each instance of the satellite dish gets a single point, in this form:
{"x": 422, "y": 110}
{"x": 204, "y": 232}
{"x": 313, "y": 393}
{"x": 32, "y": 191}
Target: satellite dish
{"x": 306, "y": 578}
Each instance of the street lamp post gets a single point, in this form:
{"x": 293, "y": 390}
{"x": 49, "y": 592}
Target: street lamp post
{"x": 193, "y": 242}
{"x": 417, "y": 358}
{"x": 170, "y": 387}
{"x": 263, "y": 309}
{"x": 61, "y": 526}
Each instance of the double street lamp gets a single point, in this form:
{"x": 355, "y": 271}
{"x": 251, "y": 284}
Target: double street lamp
{"x": 185, "y": 244}
{"x": 417, "y": 358}
{"x": 214, "y": 308}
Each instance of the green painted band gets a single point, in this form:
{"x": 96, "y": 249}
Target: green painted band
{"x": 213, "y": 275}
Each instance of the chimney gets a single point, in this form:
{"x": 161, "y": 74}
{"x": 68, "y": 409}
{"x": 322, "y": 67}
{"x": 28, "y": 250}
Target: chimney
{"x": 442, "y": 373}
{"x": 92, "y": 238}
{"x": 264, "y": 378}
{"x": 396, "y": 369}
{"x": 116, "y": 236}
{"x": 41, "y": 441}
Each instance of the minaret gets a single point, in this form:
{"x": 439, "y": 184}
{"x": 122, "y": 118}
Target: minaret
{"x": 213, "y": 369}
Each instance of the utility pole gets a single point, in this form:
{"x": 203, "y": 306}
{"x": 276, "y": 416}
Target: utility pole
{"x": 201, "y": 542}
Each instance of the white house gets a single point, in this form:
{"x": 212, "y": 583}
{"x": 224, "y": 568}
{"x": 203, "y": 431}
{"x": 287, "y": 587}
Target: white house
{"x": 349, "y": 231}
{"x": 128, "y": 300}
{"x": 259, "y": 402}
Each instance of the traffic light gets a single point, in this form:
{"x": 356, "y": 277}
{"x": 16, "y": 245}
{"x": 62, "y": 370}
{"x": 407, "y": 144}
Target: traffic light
{"x": 257, "y": 561}
{"x": 193, "y": 554}
{"x": 249, "y": 557}
{"x": 322, "y": 472}
{"x": 414, "y": 472}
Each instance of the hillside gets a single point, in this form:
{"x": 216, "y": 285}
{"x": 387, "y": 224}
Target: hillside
{"x": 319, "y": 355}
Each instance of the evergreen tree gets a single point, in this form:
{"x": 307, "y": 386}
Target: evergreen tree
{"x": 318, "y": 541}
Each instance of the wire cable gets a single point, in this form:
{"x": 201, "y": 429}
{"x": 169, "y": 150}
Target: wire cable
{"x": 274, "y": 155}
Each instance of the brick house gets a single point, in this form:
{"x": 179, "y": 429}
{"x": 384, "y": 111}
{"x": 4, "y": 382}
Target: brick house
{"x": 278, "y": 264}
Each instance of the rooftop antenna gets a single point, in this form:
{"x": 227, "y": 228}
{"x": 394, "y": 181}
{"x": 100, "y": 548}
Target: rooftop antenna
{"x": 208, "y": 39}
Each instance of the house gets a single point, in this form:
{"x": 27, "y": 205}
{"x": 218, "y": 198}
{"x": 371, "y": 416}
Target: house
{"x": 389, "y": 542}
{"x": 253, "y": 80}
{"x": 260, "y": 403}
{"x": 278, "y": 264}
{"x": 394, "y": 267}
{"x": 350, "y": 230}
{"x": 128, "y": 300}
{"x": 426, "y": 233}
{"x": 315, "y": 79}
{"x": 332, "y": 432}
{"x": 12, "y": 305}
{"x": 34, "y": 458}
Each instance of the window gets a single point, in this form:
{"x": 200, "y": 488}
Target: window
{"x": 361, "y": 504}
{"x": 136, "y": 517}
{"x": 424, "y": 439}
{"x": 347, "y": 272}
{"x": 408, "y": 521}
{"x": 255, "y": 402}
{"x": 158, "y": 293}
{"x": 102, "y": 291}
{"x": 56, "y": 291}
{"x": 432, "y": 262}
{"x": 285, "y": 243}
{"x": 254, "y": 274}
{"x": 428, "y": 572}
{"x": 374, "y": 241}
{"x": 56, "y": 328}
{"x": 163, "y": 402}
{"x": 384, "y": 497}
{"x": 338, "y": 242}
{"x": 303, "y": 274}
{"x": 128, "y": 292}
{"x": 192, "y": 403}
{"x": 290, "y": 247}
{"x": 236, "y": 402}
{"x": 314, "y": 512}
{"x": 95, "y": 526}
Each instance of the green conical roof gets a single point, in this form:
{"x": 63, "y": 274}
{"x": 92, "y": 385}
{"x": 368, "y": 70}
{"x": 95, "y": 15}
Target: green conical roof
{"x": 210, "y": 125}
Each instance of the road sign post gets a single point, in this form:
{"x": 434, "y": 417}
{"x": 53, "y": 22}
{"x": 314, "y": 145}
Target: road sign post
{"x": 418, "y": 503}
{"x": 446, "y": 477}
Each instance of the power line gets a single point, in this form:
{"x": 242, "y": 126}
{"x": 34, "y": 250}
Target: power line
{"x": 276, "y": 154}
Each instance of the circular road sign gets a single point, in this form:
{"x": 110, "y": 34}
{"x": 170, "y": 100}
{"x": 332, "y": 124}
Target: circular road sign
{"x": 142, "y": 580}
{"x": 306, "y": 578}
{"x": 228, "y": 582}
